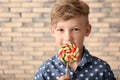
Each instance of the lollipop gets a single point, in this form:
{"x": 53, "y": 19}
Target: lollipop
{"x": 69, "y": 53}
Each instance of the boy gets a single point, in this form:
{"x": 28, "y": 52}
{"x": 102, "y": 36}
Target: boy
{"x": 70, "y": 24}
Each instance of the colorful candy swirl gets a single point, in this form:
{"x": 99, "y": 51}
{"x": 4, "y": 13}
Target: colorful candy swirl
{"x": 69, "y": 53}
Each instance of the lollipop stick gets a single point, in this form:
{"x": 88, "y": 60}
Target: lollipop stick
{"x": 67, "y": 69}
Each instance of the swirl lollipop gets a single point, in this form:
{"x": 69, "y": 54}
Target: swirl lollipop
{"x": 69, "y": 53}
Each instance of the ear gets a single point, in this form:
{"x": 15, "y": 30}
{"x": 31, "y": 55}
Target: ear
{"x": 52, "y": 30}
{"x": 88, "y": 30}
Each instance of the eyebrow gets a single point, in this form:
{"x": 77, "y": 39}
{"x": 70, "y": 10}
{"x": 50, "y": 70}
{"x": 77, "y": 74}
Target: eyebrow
{"x": 59, "y": 26}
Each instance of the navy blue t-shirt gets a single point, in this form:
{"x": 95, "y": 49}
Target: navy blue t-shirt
{"x": 90, "y": 68}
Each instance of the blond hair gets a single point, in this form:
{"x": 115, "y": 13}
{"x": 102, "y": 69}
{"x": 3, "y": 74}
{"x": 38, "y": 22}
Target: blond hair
{"x": 67, "y": 9}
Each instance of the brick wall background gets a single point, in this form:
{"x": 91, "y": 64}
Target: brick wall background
{"x": 25, "y": 40}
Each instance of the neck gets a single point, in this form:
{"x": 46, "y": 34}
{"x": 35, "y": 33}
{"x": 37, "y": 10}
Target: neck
{"x": 74, "y": 65}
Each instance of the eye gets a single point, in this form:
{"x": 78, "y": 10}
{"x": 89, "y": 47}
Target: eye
{"x": 60, "y": 30}
{"x": 76, "y": 29}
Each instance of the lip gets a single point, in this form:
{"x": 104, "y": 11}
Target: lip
{"x": 66, "y": 42}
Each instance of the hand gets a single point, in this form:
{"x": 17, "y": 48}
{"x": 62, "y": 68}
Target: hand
{"x": 65, "y": 77}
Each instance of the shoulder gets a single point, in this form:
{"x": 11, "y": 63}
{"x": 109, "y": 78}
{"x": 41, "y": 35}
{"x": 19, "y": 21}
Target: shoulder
{"x": 100, "y": 62}
{"x": 103, "y": 68}
{"x": 46, "y": 64}
{"x": 95, "y": 61}
{"x": 44, "y": 67}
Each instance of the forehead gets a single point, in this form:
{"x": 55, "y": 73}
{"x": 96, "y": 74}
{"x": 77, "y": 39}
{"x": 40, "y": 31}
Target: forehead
{"x": 76, "y": 21}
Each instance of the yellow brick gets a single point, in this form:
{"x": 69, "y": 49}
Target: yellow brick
{"x": 13, "y": 44}
{"x": 30, "y": 15}
{"x": 46, "y": 20}
{"x": 17, "y": 48}
{"x": 37, "y": 53}
{"x": 96, "y": 53}
{"x": 111, "y": 20}
{"x": 7, "y": 77}
{"x": 20, "y": 1}
{"x": 114, "y": 64}
{"x": 5, "y": 57}
{"x": 37, "y": 62}
{"x": 11, "y": 24}
{"x": 4, "y": 10}
{"x": 114, "y": 44}
{"x": 3, "y": 29}
{"x": 1, "y": 71}
{"x": 38, "y": 24}
{"x": 41, "y": 30}
{"x": 21, "y": 39}
{"x": 10, "y": 53}
{"x": 45, "y": 48}
{"x": 26, "y": 67}
{"x": 100, "y": 25}
{"x": 5, "y": 39}
{"x": 109, "y": 58}
{"x": 31, "y": 34}
{"x": 9, "y": 15}
{"x": 2, "y": 67}
{"x": 14, "y": 10}
{"x": 11, "y": 4}
{"x": 50, "y": 44}
{"x": 93, "y": 19}
{"x": 101, "y": 34}
{"x": 27, "y": 48}
{"x": 95, "y": 5}
{"x": 97, "y": 44}
{"x": 91, "y": 39}
{"x": 112, "y": 1}
{"x": 30, "y": 4}
{"x": 115, "y": 35}
{"x": 12, "y": 34}
{"x": 41, "y": 10}
{"x": 97, "y": 15}
{"x": 22, "y": 57}
{"x": 104, "y": 29}
{"x": 111, "y": 49}
{"x": 4, "y": 0}
{"x": 13, "y": 71}
{"x": 21, "y": 19}
{"x": 116, "y": 54}
{"x": 116, "y": 4}
{"x": 33, "y": 44}
{"x": 30, "y": 71}
{"x": 19, "y": 30}
{"x": 6, "y": 48}
{"x": 39, "y": 0}
{"x": 23, "y": 76}
{"x": 17, "y": 62}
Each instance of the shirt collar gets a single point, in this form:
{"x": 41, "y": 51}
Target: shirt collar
{"x": 86, "y": 57}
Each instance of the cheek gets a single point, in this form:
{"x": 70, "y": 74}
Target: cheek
{"x": 78, "y": 40}
{"x": 58, "y": 40}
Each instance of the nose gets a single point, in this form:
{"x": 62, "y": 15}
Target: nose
{"x": 67, "y": 37}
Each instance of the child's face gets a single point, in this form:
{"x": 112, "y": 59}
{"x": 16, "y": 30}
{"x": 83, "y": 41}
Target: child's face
{"x": 73, "y": 30}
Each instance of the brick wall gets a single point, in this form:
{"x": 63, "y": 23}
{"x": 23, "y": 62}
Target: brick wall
{"x": 25, "y": 40}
